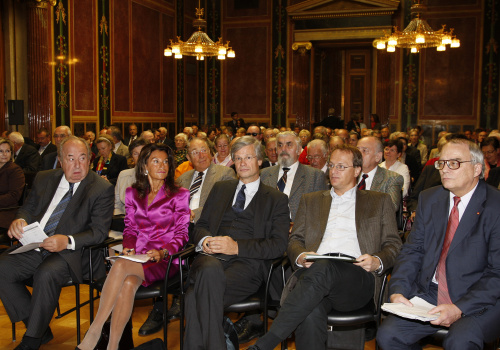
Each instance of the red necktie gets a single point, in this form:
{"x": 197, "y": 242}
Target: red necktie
{"x": 362, "y": 183}
{"x": 443, "y": 294}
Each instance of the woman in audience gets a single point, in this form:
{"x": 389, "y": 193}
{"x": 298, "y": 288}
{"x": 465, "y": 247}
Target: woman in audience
{"x": 11, "y": 184}
{"x": 180, "y": 148}
{"x": 156, "y": 224}
{"x": 392, "y": 151}
{"x": 108, "y": 165}
{"x": 222, "y": 157}
{"x": 305, "y": 137}
{"x": 127, "y": 176}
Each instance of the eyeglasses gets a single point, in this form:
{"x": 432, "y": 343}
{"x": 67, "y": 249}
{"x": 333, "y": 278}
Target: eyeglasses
{"x": 339, "y": 167}
{"x": 314, "y": 157}
{"x": 452, "y": 164}
{"x": 252, "y": 134}
{"x": 246, "y": 159}
{"x": 7, "y": 151}
{"x": 201, "y": 151}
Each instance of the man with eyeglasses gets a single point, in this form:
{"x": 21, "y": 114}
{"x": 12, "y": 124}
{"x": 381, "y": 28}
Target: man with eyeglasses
{"x": 242, "y": 227}
{"x": 451, "y": 258}
{"x": 199, "y": 181}
{"x": 344, "y": 223}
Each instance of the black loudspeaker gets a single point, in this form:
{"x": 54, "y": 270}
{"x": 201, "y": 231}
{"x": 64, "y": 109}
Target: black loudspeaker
{"x": 16, "y": 112}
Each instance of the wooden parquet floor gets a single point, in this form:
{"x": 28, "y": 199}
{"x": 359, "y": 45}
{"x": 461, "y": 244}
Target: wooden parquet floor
{"x": 64, "y": 329}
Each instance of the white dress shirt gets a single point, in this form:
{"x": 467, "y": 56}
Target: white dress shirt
{"x": 369, "y": 179}
{"x": 290, "y": 175}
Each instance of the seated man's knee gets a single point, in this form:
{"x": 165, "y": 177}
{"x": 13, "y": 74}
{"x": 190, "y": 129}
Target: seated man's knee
{"x": 209, "y": 267}
{"x": 464, "y": 337}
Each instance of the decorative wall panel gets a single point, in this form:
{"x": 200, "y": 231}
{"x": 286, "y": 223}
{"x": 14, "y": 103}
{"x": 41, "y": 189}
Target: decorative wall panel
{"x": 103, "y": 39}
{"x": 61, "y": 51}
{"x": 121, "y": 56}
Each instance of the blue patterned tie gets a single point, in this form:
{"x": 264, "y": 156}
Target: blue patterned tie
{"x": 239, "y": 205}
{"x": 51, "y": 225}
{"x": 282, "y": 182}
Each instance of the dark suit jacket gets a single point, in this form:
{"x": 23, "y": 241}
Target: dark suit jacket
{"x": 87, "y": 217}
{"x": 266, "y": 164}
{"x": 375, "y": 226}
{"x": 412, "y": 160}
{"x": 51, "y": 148}
{"x": 116, "y": 164}
{"x": 271, "y": 225}
{"x": 28, "y": 159}
{"x": 215, "y": 173}
{"x": 494, "y": 177}
{"x": 429, "y": 178}
{"x": 473, "y": 262}
{"x": 307, "y": 179}
{"x": 49, "y": 161}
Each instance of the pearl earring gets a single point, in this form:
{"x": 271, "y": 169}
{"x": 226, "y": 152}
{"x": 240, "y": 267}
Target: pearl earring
{"x": 146, "y": 173}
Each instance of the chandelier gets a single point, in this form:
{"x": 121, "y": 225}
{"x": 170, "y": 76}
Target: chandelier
{"x": 199, "y": 44}
{"x": 417, "y": 35}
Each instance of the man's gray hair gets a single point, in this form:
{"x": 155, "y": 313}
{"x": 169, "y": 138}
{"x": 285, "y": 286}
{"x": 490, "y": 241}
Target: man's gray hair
{"x": 73, "y": 138}
{"x": 476, "y": 154}
{"x": 116, "y": 133}
{"x": 66, "y": 128}
{"x": 16, "y": 137}
{"x": 182, "y": 136}
{"x": 247, "y": 141}
{"x": 188, "y": 145}
{"x": 318, "y": 143}
{"x": 295, "y": 137}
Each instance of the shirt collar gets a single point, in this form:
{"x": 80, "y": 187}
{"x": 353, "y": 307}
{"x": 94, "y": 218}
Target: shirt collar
{"x": 349, "y": 194}
{"x": 250, "y": 187}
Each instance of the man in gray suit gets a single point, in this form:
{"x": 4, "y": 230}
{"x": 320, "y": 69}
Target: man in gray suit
{"x": 299, "y": 179}
{"x": 293, "y": 179}
{"x": 375, "y": 178}
{"x": 74, "y": 207}
{"x": 344, "y": 222}
{"x": 199, "y": 182}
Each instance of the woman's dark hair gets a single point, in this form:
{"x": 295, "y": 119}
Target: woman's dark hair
{"x": 136, "y": 143}
{"x": 376, "y": 119}
{"x": 142, "y": 182}
{"x": 397, "y": 143}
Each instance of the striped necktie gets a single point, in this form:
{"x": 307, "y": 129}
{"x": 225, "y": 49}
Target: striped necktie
{"x": 282, "y": 182}
{"x": 196, "y": 185}
{"x": 51, "y": 225}
{"x": 362, "y": 183}
{"x": 239, "y": 204}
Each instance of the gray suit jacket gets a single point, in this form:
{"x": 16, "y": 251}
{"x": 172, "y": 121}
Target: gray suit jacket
{"x": 389, "y": 182}
{"x": 375, "y": 226}
{"x": 307, "y": 179}
{"x": 87, "y": 217}
{"x": 215, "y": 173}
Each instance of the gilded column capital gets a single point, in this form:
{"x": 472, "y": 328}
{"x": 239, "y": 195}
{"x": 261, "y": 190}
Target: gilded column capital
{"x": 42, "y": 3}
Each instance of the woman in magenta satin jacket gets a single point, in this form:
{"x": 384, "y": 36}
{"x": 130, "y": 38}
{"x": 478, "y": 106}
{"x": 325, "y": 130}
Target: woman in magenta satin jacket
{"x": 156, "y": 224}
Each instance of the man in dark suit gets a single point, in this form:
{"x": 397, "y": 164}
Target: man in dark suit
{"x": 163, "y": 138}
{"x": 451, "y": 258}
{"x": 245, "y": 223}
{"x": 132, "y": 131}
{"x": 271, "y": 153}
{"x": 43, "y": 142}
{"x": 346, "y": 222}
{"x": 25, "y": 156}
{"x": 200, "y": 187}
{"x": 74, "y": 207}
{"x": 375, "y": 178}
{"x": 51, "y": 161}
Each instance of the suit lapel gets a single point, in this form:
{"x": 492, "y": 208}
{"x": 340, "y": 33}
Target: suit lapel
{"x": 324, "y": 212}
{"x": 207, "y": 184}
{"x": 298, "y": 180}
{"x": 225, "y": 201}
{"x": 377, "y": 179}
{"x": 440, "y": 219}
{"x": 49, "y": 193}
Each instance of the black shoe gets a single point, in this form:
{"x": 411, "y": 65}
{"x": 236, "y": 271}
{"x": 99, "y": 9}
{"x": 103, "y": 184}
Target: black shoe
{"x": 47, "y": 336}
{"x": 253, "y": 347}
{"x": 175, "y": 310}
{"x": 154, "y": 322}
{"x": 248, "y": 330}
{"x": 23, "y": 346}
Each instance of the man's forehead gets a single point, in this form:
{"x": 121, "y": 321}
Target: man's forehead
{"x": 286, "y": 139}
{"x": 247, "y": 150}
{"x": 456, "y": 151}
{"x": 197, "y": 144}
{"x": 339, "y": 155}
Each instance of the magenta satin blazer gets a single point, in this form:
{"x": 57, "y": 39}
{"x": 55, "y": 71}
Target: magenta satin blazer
{"x": 164, "y": 224}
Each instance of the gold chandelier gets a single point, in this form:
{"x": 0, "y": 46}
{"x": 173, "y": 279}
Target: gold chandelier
{"x": 199, "y": 44}
{"x": 417, "y": 35}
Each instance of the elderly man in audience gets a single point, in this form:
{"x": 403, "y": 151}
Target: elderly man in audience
{"x": 254, "y": 130}
{"x": 148, "y": 136}
{"x": 25, "y": 156}
{"x": 163, "y": 138}
{"x": 51, "y": 161}
{"x": 293, "y": 179}
{"x": 199, "y": 182}
{"x": 243, "y": 226}
{"x": 317, "y": 155}
{"x": 132, "y": 131}
{"x": 451, "y": 258}
{"x": 375, "y": 178}
{"x": 188, "y": 131}
{"x": 271, "y": 153}
{"x": 334, "y": 142}
{"x": 119, "y": 147}
{"x": 74, "y": 207}
{"x": 344, "y": 222}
